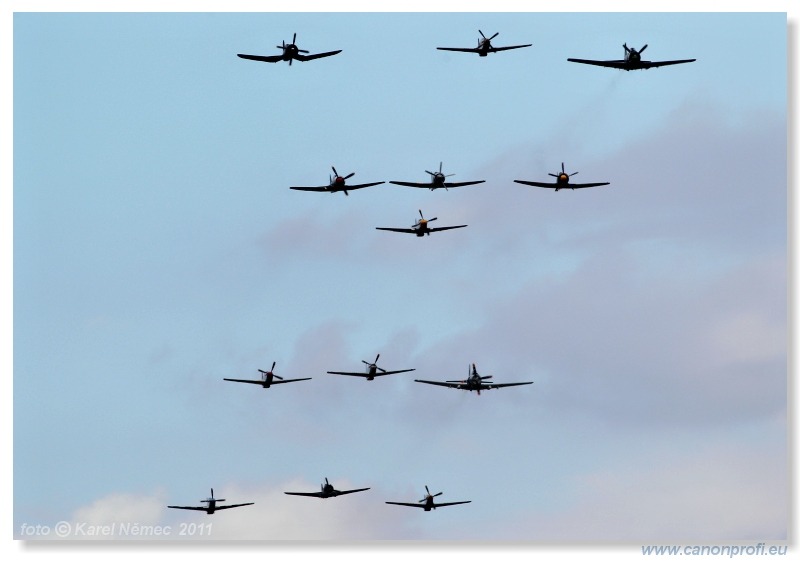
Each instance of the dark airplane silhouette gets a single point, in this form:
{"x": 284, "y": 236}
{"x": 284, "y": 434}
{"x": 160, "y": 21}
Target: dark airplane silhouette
{"x": 484, "y": 46}
{"x": 290, "y": 53}
{"x": 268, "y": 378}
{"x": 562, "y": 181}
{"x": 372, "y": 371}
{"x": 473, "y": 382}
{"x": 337, "y": 183}
{"x": 326, "y": 491}
{"x": 420, "y": 227}
{"x": 212, "y": 505}
{"x": 437, "y": 181}
{"x": 632, "y": 61}
{"x": 427, "y": 502}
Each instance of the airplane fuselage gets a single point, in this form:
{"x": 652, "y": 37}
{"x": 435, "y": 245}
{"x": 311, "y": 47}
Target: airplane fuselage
{"x": 421, "y": 228}
{"x": 268, "y": 377}
{"x": 437, "y": 181}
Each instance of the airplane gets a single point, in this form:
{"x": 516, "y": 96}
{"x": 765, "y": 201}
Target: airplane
{"x": 474, "y": 382}
{"x": 427, "y": 502}
{"x": 562, "y": 181}
{"x": 420, "y": 227}
{"x": 327, "y": 491}
{"x": 337, "y": 183}
{"x": 484, "y": 46}
{"x": 437, "y": 181}
{"x": 268, "y": 378}
{"x": 632, "y": 61}
{"x": 212, "y": 505}
{"x": 290, "y": 53}
{"x": 372, "y": 371}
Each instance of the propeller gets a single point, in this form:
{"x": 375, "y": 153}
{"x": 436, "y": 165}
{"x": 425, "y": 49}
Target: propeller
{"x": 563, "y": 173}
{"x": 439, "y": 173}
{"x": 374, "y": 363}
{"x": 350, "y": 175}
{"x": 423, "y": 219}
{"x": 271, "y": 372}
{"x": 211, "y": 499}
{"x": 490, "y": 38}
{"x": 429, "y": 495}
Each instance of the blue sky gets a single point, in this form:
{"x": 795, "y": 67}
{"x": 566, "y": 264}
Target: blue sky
{"x": 158, "y": 249}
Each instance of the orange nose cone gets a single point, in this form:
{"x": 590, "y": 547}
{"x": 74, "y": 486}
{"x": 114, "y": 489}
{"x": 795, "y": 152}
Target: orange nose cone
{"x": 563, "y": 177}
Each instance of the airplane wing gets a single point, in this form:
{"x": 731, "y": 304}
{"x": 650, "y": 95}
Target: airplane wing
{"x": 461, "y": 183}
{"x": 188, "y": 507}
{"x": 555, "y": 185}
{"x": 412, "y": 184}
{"x": 446, "y": 228}
{"x": 318, "y": 188}
{"x": 307, "y": 494}
{"x": 233, "y": 505}
{"x": 348, "y": 374}
{"x": 422, "y": 505}
{"x": 580, "y": 185}
{"x": 620, "y": 64}
{"x": 244, "y": 380}
{"x": 343, "y": 492}
{"x": 316, "y": 56}
{"x": 447, "y": 384}
{"x": 276, "y": 58}
{"x": 537, "y": 183}
{"x": 511, "y": 47}
{"x": 408, "y": 230}
{"x": 648, "y": 64}
{"x": 450, "y": 503}
{"x": 394, "y": 372}
{"x": 459, "y": 49}
{"x": 627, "y": 65}
{"x": 490, "y": 386}
{"x": 288, "y": 380}
{"x": 380, "y": 374}
{"x": 360, "y": 185}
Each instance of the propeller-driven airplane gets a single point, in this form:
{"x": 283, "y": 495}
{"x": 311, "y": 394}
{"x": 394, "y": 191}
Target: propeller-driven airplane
{"x": 632, "y": 61}
{"x": 474, "y": 382}
{"x": 484, "y": 46}
{"x": 372, "y": 371}
{"x": 268, "y": 378}
{"x": 337, "y": 183}
{"x": 290, "y": 53}
{"x": 427, "y": 502}
{"x": 438, "y": 179}
{"x": 562, "y": 181}
{"x": 420, "y": 227}
{"x": 212, "y": 505}
{"x": 326, "y": 491}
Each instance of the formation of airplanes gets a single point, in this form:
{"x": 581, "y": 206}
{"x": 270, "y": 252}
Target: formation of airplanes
{"x": 326, "y": 491}
{"x": 632, "y": 59}
{"x": 211, "y": 505}
{"x": 439, "y": 180}
{"x": 337, "y": 183}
